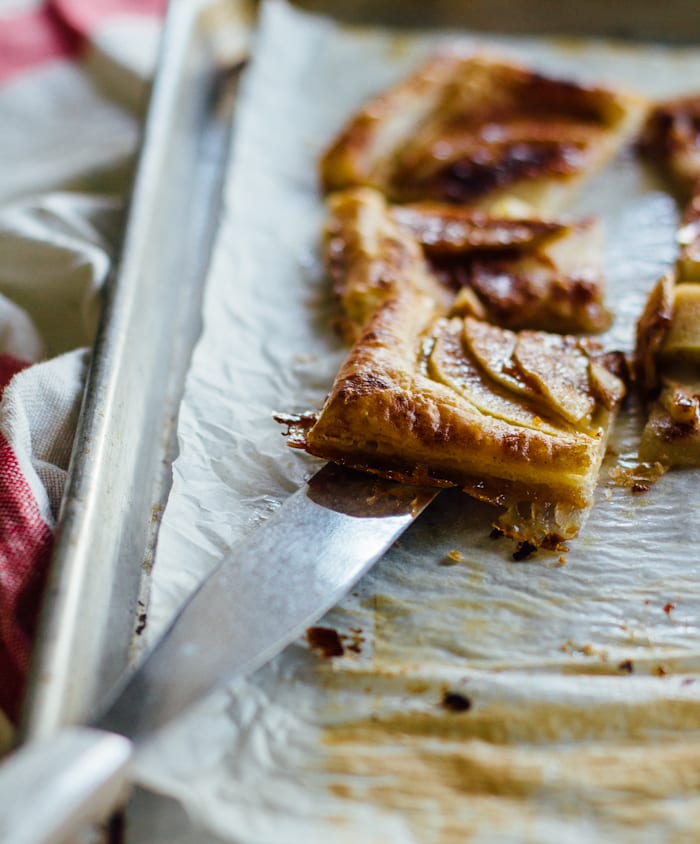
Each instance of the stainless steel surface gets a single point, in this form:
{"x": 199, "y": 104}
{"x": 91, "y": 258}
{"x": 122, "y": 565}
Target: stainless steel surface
{"x": 280, "y": 580}
{"x": 120, "y": 469}
{"x": 120, "y": 472}
{"x": 272, "y": 586}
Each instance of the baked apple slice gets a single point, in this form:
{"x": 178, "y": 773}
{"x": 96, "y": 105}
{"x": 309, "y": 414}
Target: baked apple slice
{"x": 668, "y": 368}
{"x": 524, "y": 272}
{"x": 519, "y": 272}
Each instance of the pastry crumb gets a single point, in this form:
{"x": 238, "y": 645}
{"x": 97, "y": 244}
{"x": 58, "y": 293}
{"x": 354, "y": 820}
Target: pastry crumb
{"x": 452, "y": 558}
{"x": 638, "y": 478}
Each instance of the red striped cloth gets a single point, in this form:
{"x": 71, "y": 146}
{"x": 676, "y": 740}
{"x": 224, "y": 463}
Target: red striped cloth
{"x": 61, "y": 30}
{"x": 57, "y": 126}
{"x": 25, "y": 546}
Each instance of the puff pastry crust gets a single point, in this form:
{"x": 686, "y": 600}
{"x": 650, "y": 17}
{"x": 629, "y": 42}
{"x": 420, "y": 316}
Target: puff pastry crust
{"x": 370, "y": 258}
{"x": 668, "y": 366}
{"x": 430, "y": 397}
{"x": 470, "y": 128}
{"x": 435, "y": 271}
{"x": 519, "y": 273}
{"x": 671, "y": 138}
{"x": 519, "y": 420}
{"x": 668, "y": 332}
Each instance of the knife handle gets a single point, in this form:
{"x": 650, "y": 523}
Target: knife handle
{"x": 51, "y": 788}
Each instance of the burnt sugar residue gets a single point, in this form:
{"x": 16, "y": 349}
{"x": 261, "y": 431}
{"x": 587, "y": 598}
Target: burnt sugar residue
{"x": 469, "y": 178}
{"x": 455, "y": 702}
{"x": 524, "y": 551}
{"x": 325, "y": 640}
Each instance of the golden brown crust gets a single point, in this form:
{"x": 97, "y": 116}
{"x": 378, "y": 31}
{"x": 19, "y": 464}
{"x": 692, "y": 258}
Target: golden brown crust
{"x": 450, "y": 230}
{"x": 369, "y": 257}
{"x": 668, "y": 332}
{"x": 652, "y": 328}
{"x": 671, "y": 139}
{"x": 688, "y": 239}
{"x": 668, "y": 354}
{"x": 356, "y": 156}
{"x": 555, "y": 286}
{"x": 469, "y": 128}
{"x": 544, "y": 274}
{"x": 412, "y": 402}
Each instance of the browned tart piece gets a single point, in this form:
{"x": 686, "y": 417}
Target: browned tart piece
{"x": 668, "y": 367}
{"x": 470, "y": 128}
{"x": 516, "y": 419}
{"x": 518, "y": 273}
{"x": 671, "y": 139}
{"x": 370, "y": 258}
{"x": 524, "y": 272}
{"x": 668, "y": 332}
{"x": 688, "y": 238}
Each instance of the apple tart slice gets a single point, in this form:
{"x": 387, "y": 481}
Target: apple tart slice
{"x": 516, "y": 419}
{"x": 668, "y": 332}
{"x": 671, "y": 140}
{"x": 470, "y": 128}
{"x": 370, "y": 258}
{"x": 668, "y": 368}
{"x": 518, "y": 272}
{"x": 524, "y": 272}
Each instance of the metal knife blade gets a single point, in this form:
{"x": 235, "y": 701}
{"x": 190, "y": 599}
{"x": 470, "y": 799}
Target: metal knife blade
{"x": 272, "y": 586}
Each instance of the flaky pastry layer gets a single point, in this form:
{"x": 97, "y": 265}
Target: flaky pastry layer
{"x": 470, "y": 128}
{"x": 668, "y": 366}
{"x": 523, "y": 272}
{"x": 423, "y": 399}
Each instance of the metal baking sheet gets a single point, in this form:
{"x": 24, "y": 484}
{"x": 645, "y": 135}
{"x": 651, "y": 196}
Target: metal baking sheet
{"x": 475, "y": 697}
{"x": 120, "y": 468}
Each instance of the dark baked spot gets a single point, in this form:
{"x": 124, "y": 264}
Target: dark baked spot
{"x": 456, "y": 702}
{"x": 469, "y": 178}
{"x": 325, "y": 640}
{"x": 523, "y": 551}
{"x": 627, "y": 666}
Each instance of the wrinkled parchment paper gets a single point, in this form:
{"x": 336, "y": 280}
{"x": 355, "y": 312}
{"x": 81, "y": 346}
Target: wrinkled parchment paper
{"x": 478, "y": 698}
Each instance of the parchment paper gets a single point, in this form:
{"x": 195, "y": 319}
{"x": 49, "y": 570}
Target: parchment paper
{"x": 582, "y": 711}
